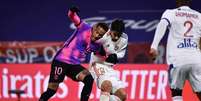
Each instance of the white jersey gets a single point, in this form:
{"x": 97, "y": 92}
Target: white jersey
{"x": 101, "y": 70}
{"x": 110, "y": 47}
{"x": 184, "y": 34}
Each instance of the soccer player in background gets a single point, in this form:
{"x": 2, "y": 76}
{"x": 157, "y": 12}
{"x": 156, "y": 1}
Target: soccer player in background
{"x": 67, "y": 61}
{"x": 183, "y": 53}
{"x": 101, "y": 64}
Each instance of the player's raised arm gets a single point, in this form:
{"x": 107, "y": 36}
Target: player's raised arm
{"x": 72, "y": 14}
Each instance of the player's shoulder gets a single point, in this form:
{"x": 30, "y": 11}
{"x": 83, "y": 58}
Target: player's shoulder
{"x": 168, "y": 14}
{"x": 87, "y": 25}
{"x": 84, "y": 27}
{"x": 83, "y": 24}
{"x": 124, "y": 36}
{"x": 196, "y": 12}
{"x": 169, "y": 11}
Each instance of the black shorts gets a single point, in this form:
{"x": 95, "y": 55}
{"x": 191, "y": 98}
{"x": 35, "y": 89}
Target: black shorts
{"x": 60, "y": 69}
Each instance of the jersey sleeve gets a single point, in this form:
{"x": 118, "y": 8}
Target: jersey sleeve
{"x": 121, "y": 52}
{"x": 160, "y": 30}
{"x": 74, "y": 18}
{"x": 124, "y": 43}
{"x": 167, "y": 16}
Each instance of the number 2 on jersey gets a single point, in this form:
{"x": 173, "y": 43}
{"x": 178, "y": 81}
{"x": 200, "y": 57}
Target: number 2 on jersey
{"x": 189, "y": 28}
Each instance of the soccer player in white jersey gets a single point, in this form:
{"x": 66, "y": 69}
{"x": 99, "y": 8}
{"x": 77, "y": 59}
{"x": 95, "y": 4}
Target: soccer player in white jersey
{"x": 101, "y": 64}
{"x": 183, "y": 53}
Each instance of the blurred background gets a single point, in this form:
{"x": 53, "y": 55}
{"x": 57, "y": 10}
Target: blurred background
{"x": 32, "y": 31}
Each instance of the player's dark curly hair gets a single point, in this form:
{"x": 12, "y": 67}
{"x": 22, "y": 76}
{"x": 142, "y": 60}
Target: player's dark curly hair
{"x": 103, "y": 25}
{"x": 118, "y": 25}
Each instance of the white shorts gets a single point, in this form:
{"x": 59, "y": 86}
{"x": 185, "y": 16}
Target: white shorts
{"x": 102, "y": 72}
{"x": 190, "y": 72}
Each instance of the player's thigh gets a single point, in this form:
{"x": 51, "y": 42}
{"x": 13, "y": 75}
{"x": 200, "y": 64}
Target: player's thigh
{"x": 195, "y": 77}
{"x": 77, "y": 72}
{"x": 57, "y": 74}
{"x": 177, "y": 76}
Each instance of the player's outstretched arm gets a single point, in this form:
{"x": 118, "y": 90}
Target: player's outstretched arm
{"x": 72, "y": 14}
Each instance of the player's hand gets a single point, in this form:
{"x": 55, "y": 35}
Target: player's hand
{"x": 112, "y": 58}
{"x": 153, "y": 53}
{"x": 74, "y": 9}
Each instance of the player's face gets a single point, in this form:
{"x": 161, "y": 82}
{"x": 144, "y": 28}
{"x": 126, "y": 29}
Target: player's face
{"x": 97, "y": 33}
{"x": 115, "y": 35}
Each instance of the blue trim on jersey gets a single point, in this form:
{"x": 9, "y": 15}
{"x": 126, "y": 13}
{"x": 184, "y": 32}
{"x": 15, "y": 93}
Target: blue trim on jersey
{"x": 167, "y": 21}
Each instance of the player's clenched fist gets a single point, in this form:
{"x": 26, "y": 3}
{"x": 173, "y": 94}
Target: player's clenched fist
{"x": 153, "y": 53}
{"x": 74, "y": 9}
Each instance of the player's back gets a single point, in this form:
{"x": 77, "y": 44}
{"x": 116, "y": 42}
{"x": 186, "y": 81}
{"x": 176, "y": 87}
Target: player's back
{"x": 184, "y": 32}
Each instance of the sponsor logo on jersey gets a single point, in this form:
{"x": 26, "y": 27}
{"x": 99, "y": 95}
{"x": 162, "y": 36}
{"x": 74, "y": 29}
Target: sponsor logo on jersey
{"x": 188, "y": 43}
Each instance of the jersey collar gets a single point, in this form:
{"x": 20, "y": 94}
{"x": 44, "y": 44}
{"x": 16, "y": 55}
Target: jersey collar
{"x": 184, "y": 7}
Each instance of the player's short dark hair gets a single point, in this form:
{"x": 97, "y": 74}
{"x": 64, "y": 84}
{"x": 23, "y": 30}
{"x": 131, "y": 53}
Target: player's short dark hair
{"x": 183, "y": 2}
{"x": 118, "y": 26}
{"x": 103, "y": 25}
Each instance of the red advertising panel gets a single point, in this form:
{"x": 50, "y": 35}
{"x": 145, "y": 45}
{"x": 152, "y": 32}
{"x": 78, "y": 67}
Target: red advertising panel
{"x": 144, "y": 83}
{"x": 43, "y": 52}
